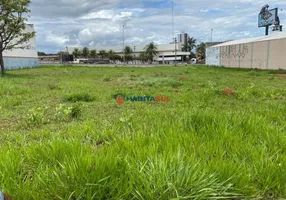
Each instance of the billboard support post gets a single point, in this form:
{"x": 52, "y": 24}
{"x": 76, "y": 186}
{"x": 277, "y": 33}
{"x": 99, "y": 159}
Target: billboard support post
{"x": 266, "y": 30}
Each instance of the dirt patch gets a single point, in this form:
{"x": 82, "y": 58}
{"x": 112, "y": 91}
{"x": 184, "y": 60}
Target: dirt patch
{"x": 176, "y": 90}
{"x": 183, "y": 77}
{"x": 228, "y": 91}
{"x": 281, "y": 75}
{"x": 99, "y": 144}
{"x": 8, "y": 123}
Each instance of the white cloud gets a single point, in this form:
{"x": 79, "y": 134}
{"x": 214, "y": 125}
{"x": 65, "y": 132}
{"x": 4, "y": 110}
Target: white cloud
{"x": 56, "y": 39}
{"x": 102, "y": 14}
{"x": 122, "y": 15}
{"x": 90, "y": 22}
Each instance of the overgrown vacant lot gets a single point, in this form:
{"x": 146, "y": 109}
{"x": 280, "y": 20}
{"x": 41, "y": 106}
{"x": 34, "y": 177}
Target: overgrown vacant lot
{"x": 221, "y": 135}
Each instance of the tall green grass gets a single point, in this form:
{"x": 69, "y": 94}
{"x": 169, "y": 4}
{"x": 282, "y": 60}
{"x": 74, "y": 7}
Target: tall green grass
{"x": 202, "y": 144}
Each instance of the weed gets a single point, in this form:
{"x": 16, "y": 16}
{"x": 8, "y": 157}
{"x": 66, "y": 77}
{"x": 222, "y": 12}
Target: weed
{"x": 175, "y": 83}
{"x": 133, "y": 77}
{"x": 84, "y": 97}
{"x": 67, "y": 113}
{"x": 106, "y": 79}
{"x": 160, "y": 74}
{"x": 256, "y": 73}
{"x": 149, "y": 83}
{"x": 37, "y": 116}
{"x": 52, "y": 87}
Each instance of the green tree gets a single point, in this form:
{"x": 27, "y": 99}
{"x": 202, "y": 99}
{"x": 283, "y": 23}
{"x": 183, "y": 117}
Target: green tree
{"x": 128, "y": 54}
{"x": 102, "y": 54}
{"x": 111, "y": 55}
{"x": 85, "y": 52}
{"x": 111, "y": 52}
{"x": 143, "y": 57}
{"x": 41, "y": 53}
{"x": 117, "y": 57}
{"x": 128, "y": 50}
{"x": 93, "y": 53}
{"x": 13, "y": 15}
{"x": 76, "y": 53}
{"x": 151, "y": 50}
{"x": 193, "y": 55}
{"x": 201, "y": 52}
{"x": 190, "y": 45}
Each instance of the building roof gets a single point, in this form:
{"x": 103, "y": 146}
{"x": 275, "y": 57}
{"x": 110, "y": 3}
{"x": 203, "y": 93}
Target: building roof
{"x": 209, "y": 44}
{"x": 256, "y": 39}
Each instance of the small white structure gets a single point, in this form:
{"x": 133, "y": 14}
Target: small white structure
{"x": 194, "y": 61}
{"x": 213, "y": 56}
{"x": 22, "y": 58}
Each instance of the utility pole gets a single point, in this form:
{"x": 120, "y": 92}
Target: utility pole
{"x": 211, "y": 35}
{"x": 123, "y": 47}
{"x": 175, "y": 51}
{"x": 135, "y": 54}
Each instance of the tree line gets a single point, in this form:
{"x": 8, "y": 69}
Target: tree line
{"x": 150, "y": 51}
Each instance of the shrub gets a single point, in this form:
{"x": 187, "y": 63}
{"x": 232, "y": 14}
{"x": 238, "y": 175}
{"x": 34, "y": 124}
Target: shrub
{"x": 132, "y": 77}
{"x": 37, "y": 116}
{"x": 255, "y": 73}
{"x": 106, "y": 79}
{"x": 67, "y": 113}
{"x": 160, "y": 74}
{"x": 53, "y": 87}
{"x": 79, "y": 97}
{"x": 149, "y": 83}
{"x": 176, "y": 84}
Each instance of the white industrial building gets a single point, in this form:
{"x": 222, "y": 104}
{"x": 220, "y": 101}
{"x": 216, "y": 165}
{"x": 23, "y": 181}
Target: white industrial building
{"x": 22, "y": 58}
{"x": 266, "y": 52}
{"x": 166, "y": 52}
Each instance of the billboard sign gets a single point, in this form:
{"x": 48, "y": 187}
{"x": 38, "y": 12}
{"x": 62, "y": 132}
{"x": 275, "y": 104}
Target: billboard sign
{"x": 267, "y": 18}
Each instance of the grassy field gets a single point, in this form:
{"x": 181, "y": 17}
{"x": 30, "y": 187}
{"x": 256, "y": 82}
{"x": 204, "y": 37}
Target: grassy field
{"x": 220, "y": 136}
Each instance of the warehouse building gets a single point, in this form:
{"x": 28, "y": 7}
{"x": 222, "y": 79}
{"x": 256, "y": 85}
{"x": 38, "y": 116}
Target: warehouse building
{"x": 266, "y": 52}
{"x": 22, "y": 58}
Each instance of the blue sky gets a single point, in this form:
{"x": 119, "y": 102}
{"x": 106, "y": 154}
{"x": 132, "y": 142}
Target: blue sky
{"x": 61, "y": 23}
